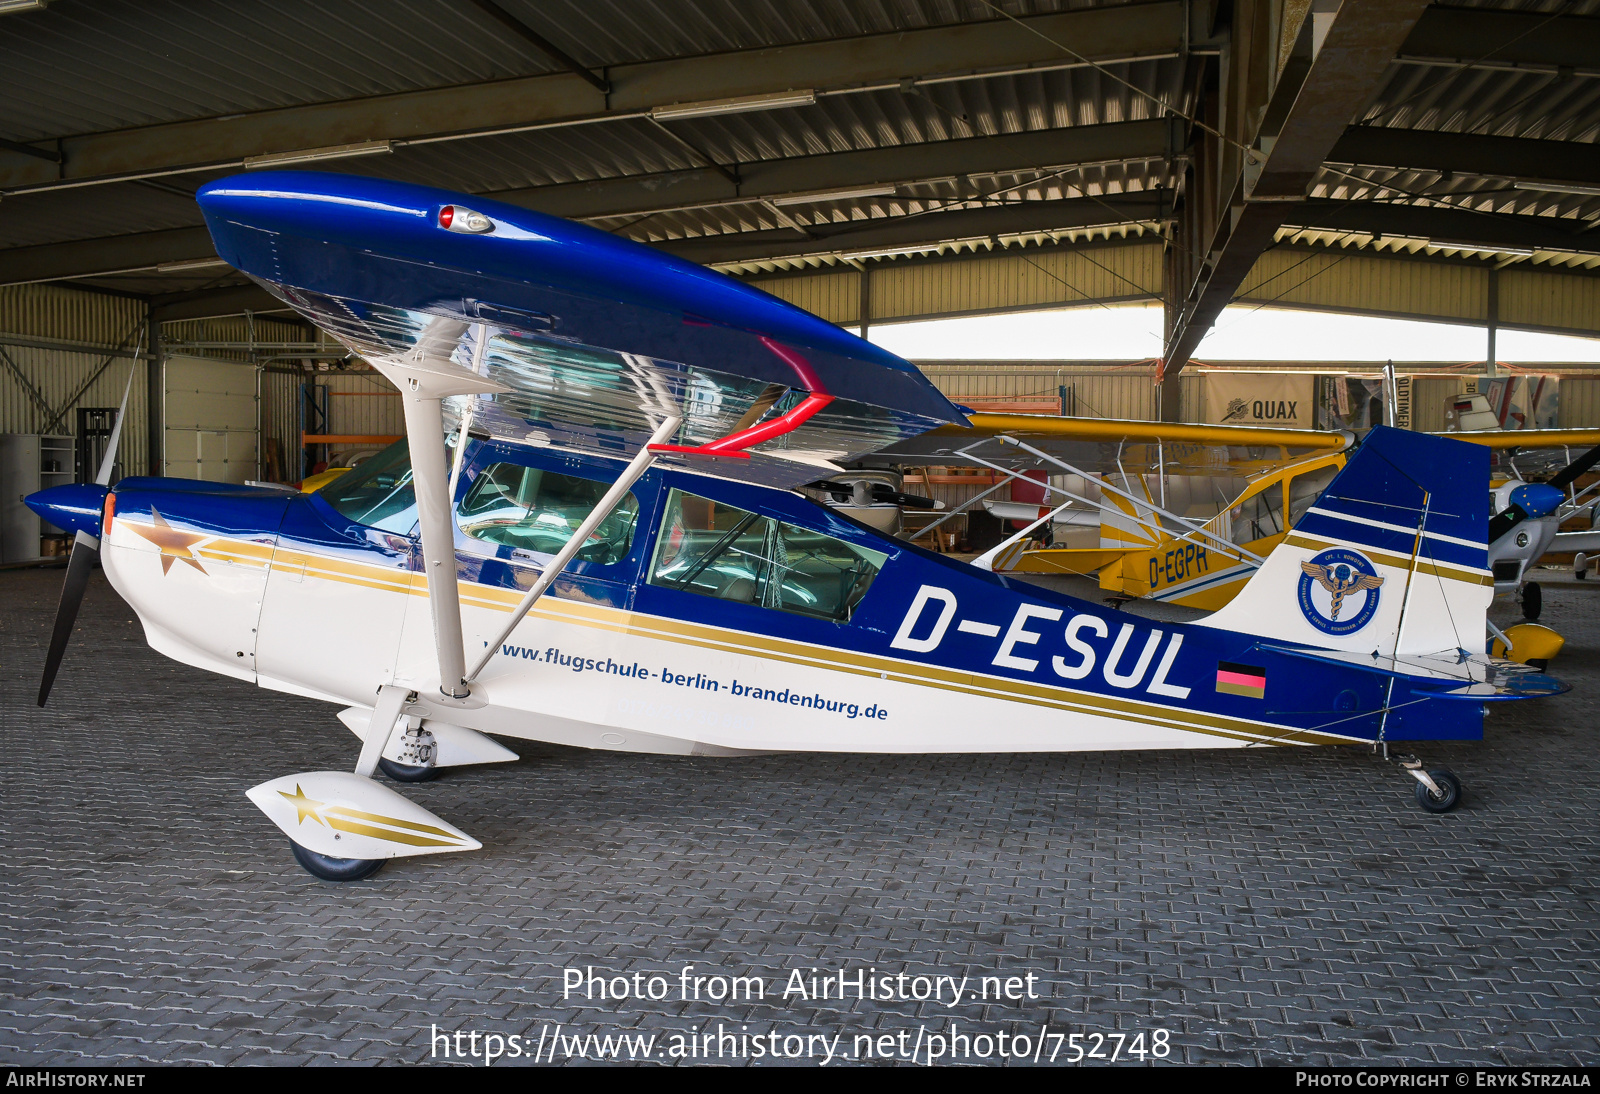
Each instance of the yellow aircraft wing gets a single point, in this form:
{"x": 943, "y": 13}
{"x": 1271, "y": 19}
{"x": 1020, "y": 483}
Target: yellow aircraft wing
{"x": 1531, "y": 454}
{"x": 1110, "y": 444}
{"x": 1529, "y": 438}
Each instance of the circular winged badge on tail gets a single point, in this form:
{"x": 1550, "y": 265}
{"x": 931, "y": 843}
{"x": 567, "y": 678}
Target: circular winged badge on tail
{"x": 1338, "y": 591}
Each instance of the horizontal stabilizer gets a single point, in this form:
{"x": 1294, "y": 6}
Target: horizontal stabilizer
{"x": 1449, "y": 675}
{"x": 348, "y": 816}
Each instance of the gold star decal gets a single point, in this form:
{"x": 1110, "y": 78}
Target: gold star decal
{"x": 175, "y": 546}
{"x": 304, "y": 806}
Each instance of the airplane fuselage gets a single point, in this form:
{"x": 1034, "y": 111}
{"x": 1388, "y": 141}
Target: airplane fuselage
{"x": 933, "y": 656}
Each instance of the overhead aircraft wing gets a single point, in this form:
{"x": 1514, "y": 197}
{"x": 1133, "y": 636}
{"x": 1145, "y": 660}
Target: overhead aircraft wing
{"x": 595, "y": 340}
{"x": 1531, "y": 453}
{"x": 1112, "y": 445}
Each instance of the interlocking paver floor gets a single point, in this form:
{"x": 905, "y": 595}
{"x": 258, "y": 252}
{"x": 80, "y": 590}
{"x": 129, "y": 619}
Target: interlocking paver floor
{"x": 1273, "y": 905}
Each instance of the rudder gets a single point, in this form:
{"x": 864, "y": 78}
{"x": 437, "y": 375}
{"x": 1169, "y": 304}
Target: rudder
{"x": 1392, "y": 558}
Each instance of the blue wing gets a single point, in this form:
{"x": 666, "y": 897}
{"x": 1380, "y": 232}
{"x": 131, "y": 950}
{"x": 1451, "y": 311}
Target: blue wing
{"x": 593, "y": 334}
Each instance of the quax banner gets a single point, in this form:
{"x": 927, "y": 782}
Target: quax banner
{"x": 1234, "y": 398}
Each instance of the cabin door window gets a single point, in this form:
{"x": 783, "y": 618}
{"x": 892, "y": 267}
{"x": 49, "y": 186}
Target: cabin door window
{"x": 714, "y": 549}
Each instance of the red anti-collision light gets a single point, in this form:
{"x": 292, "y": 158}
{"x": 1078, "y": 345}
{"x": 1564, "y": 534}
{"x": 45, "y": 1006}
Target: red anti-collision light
{"x": 458, "y": 218}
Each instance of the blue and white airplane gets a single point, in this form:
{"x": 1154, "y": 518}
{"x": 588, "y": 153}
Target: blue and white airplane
{"x": 593, "y": 536}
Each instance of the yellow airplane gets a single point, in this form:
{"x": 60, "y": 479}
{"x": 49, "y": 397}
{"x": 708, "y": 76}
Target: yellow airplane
{"x": 1141, "y": 555}
{"x": 1185, "y": 514}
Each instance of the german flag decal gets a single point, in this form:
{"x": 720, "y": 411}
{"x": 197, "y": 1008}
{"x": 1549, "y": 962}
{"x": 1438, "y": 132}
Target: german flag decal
{"x": 1247, "y": 680}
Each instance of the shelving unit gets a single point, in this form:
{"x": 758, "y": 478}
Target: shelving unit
{"x": 29, "y": 462}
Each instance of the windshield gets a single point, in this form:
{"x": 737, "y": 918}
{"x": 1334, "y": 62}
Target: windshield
{"x": 378, "y": 493}
{"x": 714, "y": 549}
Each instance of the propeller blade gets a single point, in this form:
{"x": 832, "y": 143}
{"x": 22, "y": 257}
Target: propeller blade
{"x": 109, "y": 461}
{"x": 1569, "y": 473}
{"x": 85, "y": 550}
{"x": 1504, "y": 521}
{"x": 85, "y": 553}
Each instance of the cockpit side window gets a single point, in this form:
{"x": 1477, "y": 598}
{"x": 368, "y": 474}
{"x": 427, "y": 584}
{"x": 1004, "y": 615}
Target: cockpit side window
{"x": 1304, "y": 490}
{"x": 378, "y": 493}
{"x": 1259, "y": 516}
{"x": 714, "y": 549}
{"x": 535, "y": 510}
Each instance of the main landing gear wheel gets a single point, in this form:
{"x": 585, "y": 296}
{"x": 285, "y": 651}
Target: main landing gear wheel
{"x": 329, "y": 868}
{"x": 418, "y": 751}
{"x": 1532, "y": 600}
{"x": 408, "y": 773}
{"x": 1449, "y": 795}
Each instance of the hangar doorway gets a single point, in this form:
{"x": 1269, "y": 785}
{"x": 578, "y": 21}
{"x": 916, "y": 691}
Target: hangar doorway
{"x": 213, "y": 426}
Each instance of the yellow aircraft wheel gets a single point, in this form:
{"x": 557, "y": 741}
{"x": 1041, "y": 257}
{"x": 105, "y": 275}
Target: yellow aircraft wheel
{"x": 1531, "y": 643}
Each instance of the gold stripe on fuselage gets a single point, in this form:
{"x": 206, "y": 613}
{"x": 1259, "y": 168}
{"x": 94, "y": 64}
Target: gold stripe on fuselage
{"x": 604, "y": 617}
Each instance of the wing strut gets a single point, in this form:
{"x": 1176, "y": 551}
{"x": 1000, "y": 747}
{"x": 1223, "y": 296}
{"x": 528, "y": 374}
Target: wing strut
{"x": 424, "y": 378}
{"x": 603, "y": 508}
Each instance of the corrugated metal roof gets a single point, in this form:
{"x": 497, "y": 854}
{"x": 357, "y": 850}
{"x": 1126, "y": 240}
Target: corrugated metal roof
{"x": 102, "y": 64}
{"x": 836, "y": 123}
{"x": 159, "y": 61}
{"x": 1480, "y": 193}
{"x": 1545, "y": 7}
{"x": 168, "y": 60}
{"x": 1503, "y": 102}
{"x": 114, "y": 210}
{"x": 601, "y": 32}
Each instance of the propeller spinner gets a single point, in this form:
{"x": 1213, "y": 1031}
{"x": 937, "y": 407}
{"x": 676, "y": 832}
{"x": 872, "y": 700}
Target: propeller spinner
{"x": 1538, "y": 499}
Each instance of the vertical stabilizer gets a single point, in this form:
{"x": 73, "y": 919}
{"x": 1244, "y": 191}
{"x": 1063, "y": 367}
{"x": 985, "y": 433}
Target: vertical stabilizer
{"x": 1392, "y": 558}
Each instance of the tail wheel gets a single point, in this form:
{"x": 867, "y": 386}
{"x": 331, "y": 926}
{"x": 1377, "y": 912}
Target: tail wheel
{"x": 1448, "y": 797}
{"x": 329, "y": 868}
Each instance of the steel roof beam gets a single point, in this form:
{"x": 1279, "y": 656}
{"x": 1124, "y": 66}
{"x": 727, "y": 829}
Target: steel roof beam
{"x": 100, "y": 257}
{"x": 1462, "y": 226}
{"x": 1288, "y": 96}
{"x": 543, "y": 45}
{"x": 1505, "y": 37}
{"x": 210, "y": 303}
{"x": 1117, "y": 33}
{"x": 1470, "y": 153}
{"x": 1009, "y": 219}
{"x": 29, "y": 150}
{"x": 903, "y": 164}
{"x": 696, "y": 188}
